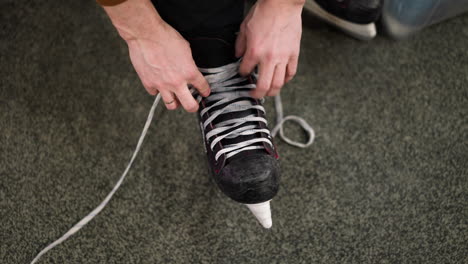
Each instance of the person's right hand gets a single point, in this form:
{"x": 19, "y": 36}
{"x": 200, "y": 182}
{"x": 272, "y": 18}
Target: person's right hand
{"x": 160, "y": 55}
{"x": 165, "y": 65}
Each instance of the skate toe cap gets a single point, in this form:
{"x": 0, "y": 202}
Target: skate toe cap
{"x": 250, "y": 179}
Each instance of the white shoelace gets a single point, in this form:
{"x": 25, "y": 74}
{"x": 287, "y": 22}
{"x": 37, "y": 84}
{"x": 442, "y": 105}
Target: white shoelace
{"x": 226, "y": 89}
{"x": 220, "y": 78}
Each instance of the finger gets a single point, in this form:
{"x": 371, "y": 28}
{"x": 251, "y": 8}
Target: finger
{"x": 177, "y": 102}
{"x": 186, "y": 99}
{"x": 248, "y": 63}
{"x": 150, "y": 89}
{"x": 200, "y": 83}
{"x": 291, "y": 69}
{"x": 278, "y": 80}
{"x": 169, "y": 100}
{"x": 240, "y": 44}
{"x": 265, "y": 76}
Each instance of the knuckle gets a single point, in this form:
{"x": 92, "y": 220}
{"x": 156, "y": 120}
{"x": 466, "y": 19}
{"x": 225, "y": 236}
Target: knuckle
{"x": 291, "y": 72}
{"x": 276, "y": 86}
{"x": 243, "y": 69}
{"x": 248, "y": 25}
{"x": 176, "y": 86}
{"x": 176, "y": 83}
{"x": 270, "y": 55}
{"x": 254, "y": 52}
{"x": 285, "y": 55}
{"x": 192, "y": 74}
{"x": 152, "y": 91}
{"x": 273, "y": 92}
{"x": 157, "y": 84}
{"x": 262, "y": 86}
{"x": 171, "y": 82}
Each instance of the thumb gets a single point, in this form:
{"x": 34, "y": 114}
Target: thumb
{"x": 240, "y": 44}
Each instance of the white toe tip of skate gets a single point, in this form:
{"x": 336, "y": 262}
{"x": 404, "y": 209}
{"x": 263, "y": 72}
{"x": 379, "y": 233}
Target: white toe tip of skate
{"x": 262, "y": 212}
{"x": 360, "y": 31}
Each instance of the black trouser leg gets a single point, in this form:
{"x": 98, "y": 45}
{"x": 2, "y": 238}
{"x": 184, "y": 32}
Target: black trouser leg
{"x": 203, "y": 18}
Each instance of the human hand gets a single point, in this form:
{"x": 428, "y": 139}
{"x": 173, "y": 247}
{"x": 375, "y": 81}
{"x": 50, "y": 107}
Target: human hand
{"x": 165, "y": 65}
{"x": 160, "y": 55}
{"x": 270, "y": 38}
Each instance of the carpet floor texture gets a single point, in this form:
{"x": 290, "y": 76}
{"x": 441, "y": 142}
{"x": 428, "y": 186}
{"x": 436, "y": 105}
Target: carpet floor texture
{"x": 386, "y": 180}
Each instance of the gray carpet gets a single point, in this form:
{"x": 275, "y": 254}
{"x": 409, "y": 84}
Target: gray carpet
{"x": 385, "y": 181}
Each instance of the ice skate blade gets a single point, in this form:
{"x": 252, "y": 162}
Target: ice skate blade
{"x": 359, "y": 31}
{"x": 262, "y": 212}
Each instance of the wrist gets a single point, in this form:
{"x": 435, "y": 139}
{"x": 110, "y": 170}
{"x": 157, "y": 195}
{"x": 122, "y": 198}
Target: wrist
{"x": 135, "y": 19}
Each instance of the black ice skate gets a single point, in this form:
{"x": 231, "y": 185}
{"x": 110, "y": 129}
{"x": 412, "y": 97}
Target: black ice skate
{"x": 355, "y": 17}
{"x": 238, "y": 144}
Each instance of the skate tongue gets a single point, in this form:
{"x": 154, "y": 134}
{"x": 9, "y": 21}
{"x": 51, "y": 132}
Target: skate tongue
{"x": 262, "y": 212}
{"x": 211, "y": 52}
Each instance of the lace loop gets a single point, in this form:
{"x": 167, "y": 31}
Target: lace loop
{"x": 280, "y": 120}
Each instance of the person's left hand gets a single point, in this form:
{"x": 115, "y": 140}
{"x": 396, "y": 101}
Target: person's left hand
{"x": 270, "y": 38}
